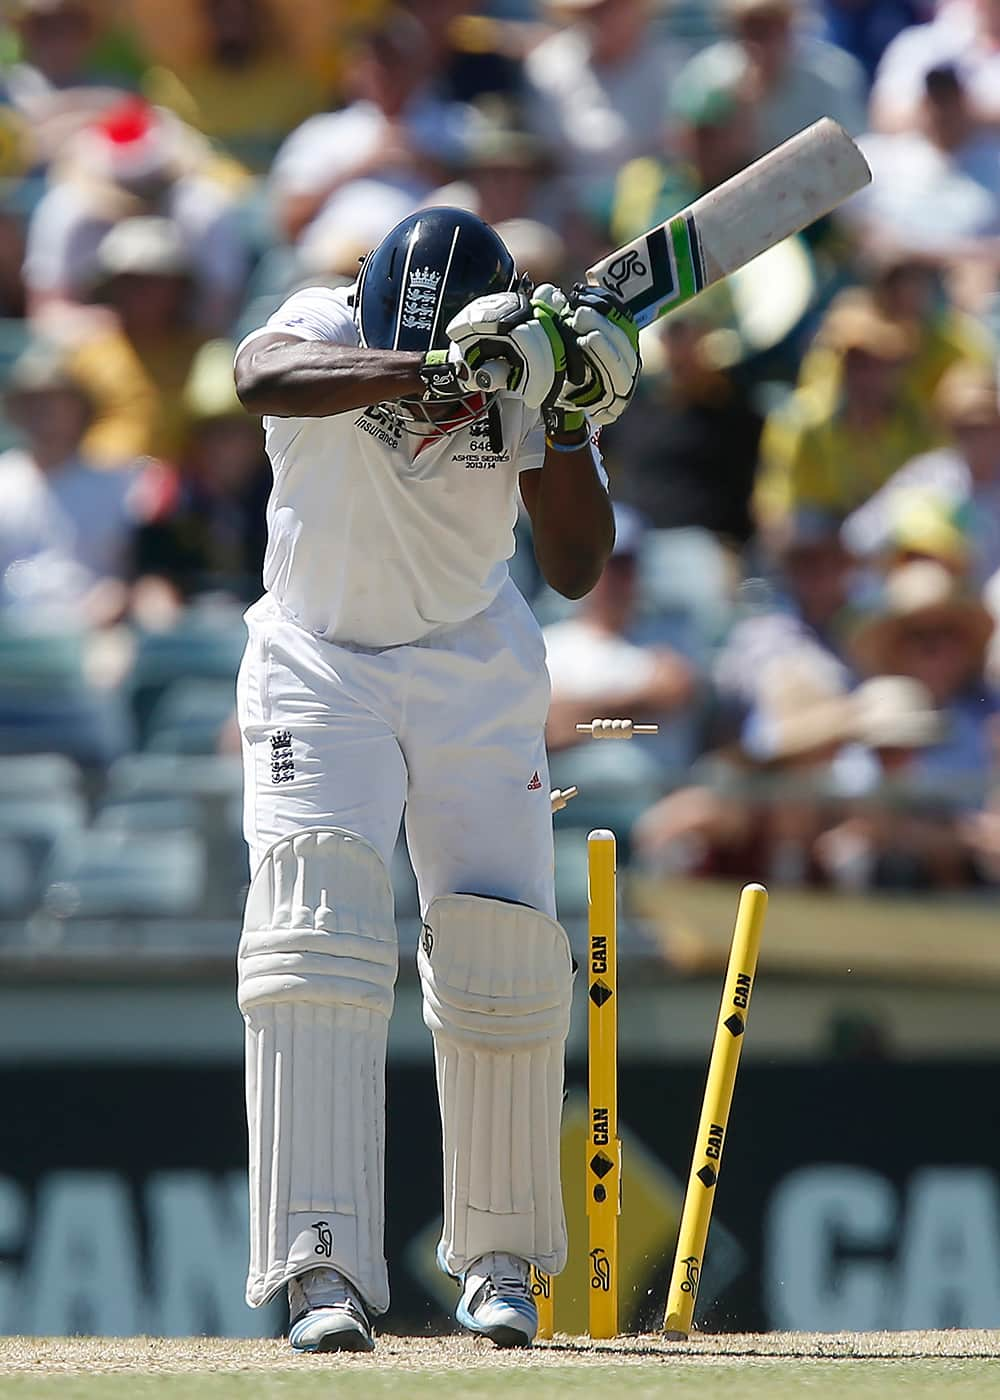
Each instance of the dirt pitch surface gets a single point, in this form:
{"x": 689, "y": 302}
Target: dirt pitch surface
{"x": 778, "y": 1366}
{"x": 210, "y": 1355}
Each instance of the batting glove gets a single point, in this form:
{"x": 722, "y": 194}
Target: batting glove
{"x": 446, "y": 374}
{"x": 552, "y": 302}
{"x": 603, "y": 376}
{"x": 523, "y": 334}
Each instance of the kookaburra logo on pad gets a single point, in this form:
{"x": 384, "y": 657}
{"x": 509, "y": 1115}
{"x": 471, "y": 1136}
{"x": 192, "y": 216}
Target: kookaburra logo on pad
{"x": 420, "y": 298}
{"x": 325, "y": 1239}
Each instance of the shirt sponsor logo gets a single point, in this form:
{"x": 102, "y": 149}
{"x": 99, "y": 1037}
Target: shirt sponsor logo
{"x": 380, "y": 425}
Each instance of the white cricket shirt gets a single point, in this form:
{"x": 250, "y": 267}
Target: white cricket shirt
{"x": 376, "y": 537}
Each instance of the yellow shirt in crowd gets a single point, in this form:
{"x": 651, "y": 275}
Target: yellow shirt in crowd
{"x": 315, "y": 34}
{"x": 941, "y": 342}
{"x": 812, "y": 458}
{"x": 140, "y": 408}
{"x": 248, "y": 111}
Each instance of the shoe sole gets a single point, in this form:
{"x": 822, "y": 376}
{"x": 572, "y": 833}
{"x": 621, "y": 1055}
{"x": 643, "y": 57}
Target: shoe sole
{"x": 500, "y": 1335}
{"x": 344, "y": 1341}
{"x": 506, "y": 1337}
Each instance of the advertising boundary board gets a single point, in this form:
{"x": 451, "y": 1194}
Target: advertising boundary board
{"x": 854, "y": 1195}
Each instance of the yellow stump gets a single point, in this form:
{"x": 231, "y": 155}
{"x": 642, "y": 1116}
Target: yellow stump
{"x": 544, "y": 1296}
{"x": 603, "y": 1164}
{"x": 707, "y": 1161}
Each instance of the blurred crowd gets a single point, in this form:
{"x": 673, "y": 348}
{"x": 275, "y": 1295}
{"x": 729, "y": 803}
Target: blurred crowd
{"x": 807, "y": 576}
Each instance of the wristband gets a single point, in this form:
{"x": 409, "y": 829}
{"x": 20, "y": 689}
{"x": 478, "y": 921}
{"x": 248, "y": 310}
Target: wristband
{"x": 563, "y": 420}
{"x": 567, "y": 446}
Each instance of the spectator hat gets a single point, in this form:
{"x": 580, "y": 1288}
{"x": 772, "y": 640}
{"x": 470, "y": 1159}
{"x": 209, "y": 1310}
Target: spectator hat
{"x": 878, "y": 262}
{"x": 859, "y": 325}
{"x": 924, "y": 524}
{"x": 536, "y": 249}
{"x": 736, "y": 9}
{"x": 921, "y": 593}
{"x": 146, "y": 246}
{"x": 43, "y": 369}
{"x": 701, "y": 104}
{"x": 802, "y": 706}
{"x": 967, "y": 397}
{"x": 132, "y": 142}
{"x": 398, "y": 33}
{"x": 498, "y": 135}
{"x": 895, "y": 712}
{"x": 22, "y": 9}
{"x": 335, "y": 254}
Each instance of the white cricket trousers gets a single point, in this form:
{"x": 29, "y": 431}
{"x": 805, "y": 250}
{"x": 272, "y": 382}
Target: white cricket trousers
{"x": 448, "y": 731}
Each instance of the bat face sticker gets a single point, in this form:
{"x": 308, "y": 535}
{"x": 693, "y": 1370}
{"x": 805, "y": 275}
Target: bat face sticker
{"x": 623, "y": 269}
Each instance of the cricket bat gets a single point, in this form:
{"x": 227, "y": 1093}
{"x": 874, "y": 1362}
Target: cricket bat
{"x": 780, "y": 194}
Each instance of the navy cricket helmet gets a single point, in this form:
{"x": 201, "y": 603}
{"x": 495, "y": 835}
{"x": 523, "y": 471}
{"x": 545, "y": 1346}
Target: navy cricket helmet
{"x": 421, "y": 275}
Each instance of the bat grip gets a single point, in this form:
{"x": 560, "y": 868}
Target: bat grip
{"x": 492, "y": 375}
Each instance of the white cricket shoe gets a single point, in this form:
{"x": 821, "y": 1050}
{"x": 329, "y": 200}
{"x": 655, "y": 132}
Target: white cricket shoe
{"x": 327, "y": 1314}
{"x": 496, "y": 1301}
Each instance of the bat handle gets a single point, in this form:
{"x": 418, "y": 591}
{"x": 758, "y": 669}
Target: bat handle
{"x": 492, "y": 375}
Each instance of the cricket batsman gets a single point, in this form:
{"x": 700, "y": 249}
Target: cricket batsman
{"x": 394, "y": 673}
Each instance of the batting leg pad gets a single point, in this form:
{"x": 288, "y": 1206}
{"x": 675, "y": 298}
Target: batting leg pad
{"x": 317, "y": 965}
{"x": 497, "y": 982}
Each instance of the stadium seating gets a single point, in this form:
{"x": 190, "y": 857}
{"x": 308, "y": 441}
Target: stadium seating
{"x": 100, "y": 874}
{"x": 151, "y": 777}
{"x": 404, "y": 886}
{"x": 190, "y": 715}
{"x": 48, "y": 705}
{"x": 36, "y": 823}
{"x": 571, "y": 872}
{"x": 18, "y": 887}
{"x": 200, "y": 648}
{"x": 166, "y": 814}
{"x": 39, "y": 774}
{"x": 213, "y": 786}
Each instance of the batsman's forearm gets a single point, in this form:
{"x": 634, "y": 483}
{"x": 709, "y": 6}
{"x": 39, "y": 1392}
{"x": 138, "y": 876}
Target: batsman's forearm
{"x": 310, "y": 379}
{"x": 574, "y": 528}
